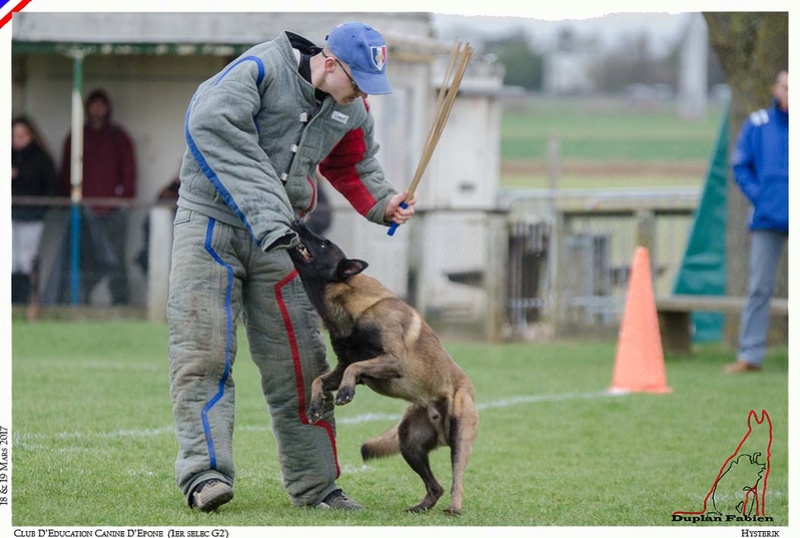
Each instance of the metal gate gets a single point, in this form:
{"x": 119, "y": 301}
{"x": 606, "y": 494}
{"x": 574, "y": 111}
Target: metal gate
{"x": 528, "y": 250}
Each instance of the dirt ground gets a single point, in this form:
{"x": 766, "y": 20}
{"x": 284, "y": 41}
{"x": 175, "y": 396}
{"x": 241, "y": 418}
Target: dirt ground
{"x": 609, "y": 168}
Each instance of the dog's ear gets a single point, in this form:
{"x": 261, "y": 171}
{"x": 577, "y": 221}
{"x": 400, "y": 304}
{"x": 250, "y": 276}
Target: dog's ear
{"x": 350, "y": 268}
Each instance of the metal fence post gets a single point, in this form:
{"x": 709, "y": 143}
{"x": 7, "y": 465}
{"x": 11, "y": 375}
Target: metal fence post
{"x": 557, "y": 310}
{"x": 76, "y": 176}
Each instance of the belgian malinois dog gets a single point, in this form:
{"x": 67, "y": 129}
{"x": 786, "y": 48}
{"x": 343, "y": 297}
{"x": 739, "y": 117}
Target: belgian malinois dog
{"x": 385, "y": 344}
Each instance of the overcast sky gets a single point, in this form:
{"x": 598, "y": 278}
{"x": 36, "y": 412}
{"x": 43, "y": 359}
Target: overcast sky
{"x": 663, "y": 28}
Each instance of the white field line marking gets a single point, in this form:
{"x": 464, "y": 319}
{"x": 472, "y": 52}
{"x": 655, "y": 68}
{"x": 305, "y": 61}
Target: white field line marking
{"x": 355, "y": 469}
{"x": 369, "y": 417}
{"x": 24, "y": 439}
{"x": 95, "y": 365}
{"x": 516, "y": 400}
{"x": 119, "y": 434}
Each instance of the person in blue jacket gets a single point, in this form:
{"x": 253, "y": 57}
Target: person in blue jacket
{"x": 761, "y": 169}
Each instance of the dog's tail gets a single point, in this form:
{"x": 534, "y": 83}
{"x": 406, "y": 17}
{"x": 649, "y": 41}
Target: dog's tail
{"x": 385, "y": 444}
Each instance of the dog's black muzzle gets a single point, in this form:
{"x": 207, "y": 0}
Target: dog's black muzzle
{"x": 301, "y": 253}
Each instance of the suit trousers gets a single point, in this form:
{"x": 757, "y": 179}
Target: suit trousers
{"x": 220, "y": 277}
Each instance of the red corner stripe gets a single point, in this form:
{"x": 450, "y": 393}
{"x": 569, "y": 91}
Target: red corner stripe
{"x": 298, "y": 371}
{"x": 15, "y": 9}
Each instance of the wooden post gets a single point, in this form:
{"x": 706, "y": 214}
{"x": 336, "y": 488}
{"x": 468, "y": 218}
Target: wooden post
{"x": 553, "y": 161}
{"x": 417, "y": 255}
{"x": 496, "y": 276}
{"x": 646, "y": 230}
{"x": 159, "y": 253}
{"x": 557, "y": 308}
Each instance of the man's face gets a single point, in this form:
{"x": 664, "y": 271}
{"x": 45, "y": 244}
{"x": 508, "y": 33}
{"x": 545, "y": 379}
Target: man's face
{"x": 781, "y": 90}
{"x": 341, "y": 84}
{"x": 98, "y": 112}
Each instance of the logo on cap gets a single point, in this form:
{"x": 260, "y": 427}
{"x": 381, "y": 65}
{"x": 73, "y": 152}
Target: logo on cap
{"x": 378, "y": 55}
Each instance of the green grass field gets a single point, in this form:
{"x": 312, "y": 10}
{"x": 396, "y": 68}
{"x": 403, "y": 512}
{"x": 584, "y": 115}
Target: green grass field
{"x": 605, "y": 132}
{"x": 93, "y": 442}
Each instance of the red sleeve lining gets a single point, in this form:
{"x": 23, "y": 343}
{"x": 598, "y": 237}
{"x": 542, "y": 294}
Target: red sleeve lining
{"x": 339, "y": 167}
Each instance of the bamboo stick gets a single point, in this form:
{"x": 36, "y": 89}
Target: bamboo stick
{"x": 459, "y": 59}
{"x": 460, "y": 56}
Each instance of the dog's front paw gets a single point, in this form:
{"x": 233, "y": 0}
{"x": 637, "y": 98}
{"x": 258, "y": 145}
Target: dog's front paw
{"x": 315, "y": 410}
{"x": 345, "y": 395}
{"x": 452, "y": 511}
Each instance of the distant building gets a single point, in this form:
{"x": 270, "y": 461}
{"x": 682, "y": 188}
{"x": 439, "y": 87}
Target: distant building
{"x": 693, "y": 76}
{"x": 568, "y": 65}
{"x": 151, "y": 63}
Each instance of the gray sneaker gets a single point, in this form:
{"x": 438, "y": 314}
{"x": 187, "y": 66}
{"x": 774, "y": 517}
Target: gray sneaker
{"x": 337, "y": 500}
{"x": 210, "y": 495}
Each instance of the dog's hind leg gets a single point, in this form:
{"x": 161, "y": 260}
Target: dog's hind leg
{"x": 463, "y": 430}
{"x": 418, "y": 436}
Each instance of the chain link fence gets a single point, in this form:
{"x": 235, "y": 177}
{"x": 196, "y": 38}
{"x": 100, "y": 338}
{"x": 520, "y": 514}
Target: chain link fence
{"x": 95, "y": 255}
{"x": 546, "y": 264}
{"x": 549, "y": 264}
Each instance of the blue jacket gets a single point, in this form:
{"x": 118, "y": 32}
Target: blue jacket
{"x": 761, "y": 167}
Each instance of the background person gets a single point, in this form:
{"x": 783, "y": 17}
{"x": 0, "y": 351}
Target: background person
{"x": 33, "y": 173}
{"x": 109, "y": 171}
{"x": 255, "y": 133}
{"x": 761, "y": 169}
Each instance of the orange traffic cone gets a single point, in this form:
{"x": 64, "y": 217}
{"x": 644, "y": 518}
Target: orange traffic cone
{"x": 639, "y": 364}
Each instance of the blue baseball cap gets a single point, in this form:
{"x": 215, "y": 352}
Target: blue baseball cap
{"x": 363, "y": 49}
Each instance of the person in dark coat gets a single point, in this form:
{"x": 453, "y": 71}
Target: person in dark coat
{"x": 33, "y": 173}
{"x": 109, "y": 171}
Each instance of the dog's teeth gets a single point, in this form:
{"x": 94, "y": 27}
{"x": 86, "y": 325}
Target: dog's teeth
{"x": 304, "y": 252}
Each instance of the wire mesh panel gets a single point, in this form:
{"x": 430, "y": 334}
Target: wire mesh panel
{"x": 528, "y": 249}
{"x": 559, "y": 264}
{"x": 593, "y": 267}
{"x": 101, "y": 258}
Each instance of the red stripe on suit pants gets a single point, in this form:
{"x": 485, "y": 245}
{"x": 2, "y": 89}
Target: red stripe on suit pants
{"x": 298, "y": 371}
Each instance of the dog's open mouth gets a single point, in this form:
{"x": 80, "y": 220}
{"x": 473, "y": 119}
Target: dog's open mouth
{"x": 304, "y": 253}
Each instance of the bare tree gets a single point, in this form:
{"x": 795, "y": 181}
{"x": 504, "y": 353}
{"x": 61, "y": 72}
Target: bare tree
{"x": 752, "y": 48}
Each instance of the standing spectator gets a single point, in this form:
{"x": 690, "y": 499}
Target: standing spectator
{"x": 109, "y": 171}
{"x": 33, "y": 173}
{"x": 761, "y": 168}
{"x": 255, "y": 133}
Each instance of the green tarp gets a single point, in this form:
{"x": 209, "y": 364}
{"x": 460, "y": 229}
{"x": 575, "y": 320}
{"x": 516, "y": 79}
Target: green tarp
{"x": 703, "y": 270}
